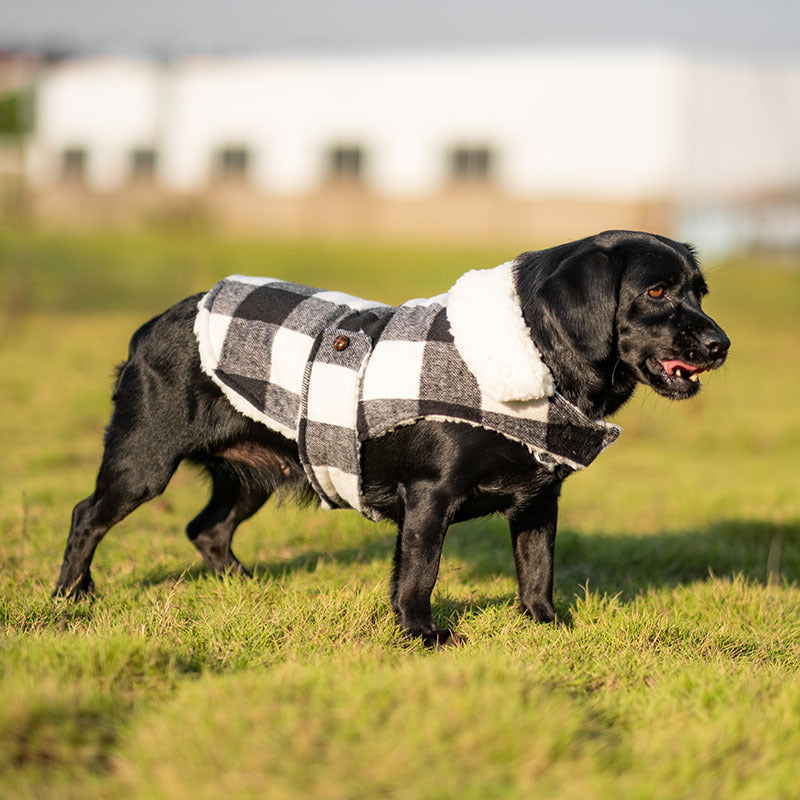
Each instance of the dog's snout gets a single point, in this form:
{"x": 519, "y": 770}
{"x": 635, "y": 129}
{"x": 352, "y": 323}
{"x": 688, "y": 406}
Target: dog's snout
{"x": 715, "y": 341}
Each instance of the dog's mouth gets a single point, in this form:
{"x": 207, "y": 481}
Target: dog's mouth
{"x": 680, "y": 369}
{"x": 675, "y": 378}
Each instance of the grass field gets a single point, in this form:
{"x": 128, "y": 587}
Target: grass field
{"x": 676, "y": 672}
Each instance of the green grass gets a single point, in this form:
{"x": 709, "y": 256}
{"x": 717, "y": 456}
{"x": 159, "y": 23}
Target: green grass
{"x": 675, "y": 673}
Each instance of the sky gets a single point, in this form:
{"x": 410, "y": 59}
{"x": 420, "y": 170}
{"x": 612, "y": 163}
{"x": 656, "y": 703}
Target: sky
{"x": 738, "y": 28}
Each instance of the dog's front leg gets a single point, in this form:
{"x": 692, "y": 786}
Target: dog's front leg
{"x": 533, "y": 535}
{"x": 416, "y": 563}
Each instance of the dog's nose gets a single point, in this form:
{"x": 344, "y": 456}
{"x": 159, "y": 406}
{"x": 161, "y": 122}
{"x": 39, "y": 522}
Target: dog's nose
{"x": 716, "y": 342}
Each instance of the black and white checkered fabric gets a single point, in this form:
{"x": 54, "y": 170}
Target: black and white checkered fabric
{"x": 330, "y": 371}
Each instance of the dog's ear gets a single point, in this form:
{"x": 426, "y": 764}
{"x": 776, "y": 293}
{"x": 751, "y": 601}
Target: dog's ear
{"x": 569, "y": 298}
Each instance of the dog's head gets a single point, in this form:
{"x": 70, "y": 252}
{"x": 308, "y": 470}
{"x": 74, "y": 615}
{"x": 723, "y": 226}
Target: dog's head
{"x": 621, "y": 307}
{"x": 664, "y": 335}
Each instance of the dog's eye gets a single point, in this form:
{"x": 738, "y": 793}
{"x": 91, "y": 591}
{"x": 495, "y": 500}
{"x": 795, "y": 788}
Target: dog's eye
{"x": 656, "y": 292}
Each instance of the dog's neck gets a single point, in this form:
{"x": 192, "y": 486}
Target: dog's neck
{"x": 597, "y": 388}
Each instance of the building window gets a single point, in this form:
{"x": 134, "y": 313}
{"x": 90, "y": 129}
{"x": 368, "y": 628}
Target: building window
{"x": 143, "y": 163}
{"x": 471, "y": 163}
{"x": 73, "y": 164}
{"x": 232, "y": 162}
{"x": 346, "y": 163}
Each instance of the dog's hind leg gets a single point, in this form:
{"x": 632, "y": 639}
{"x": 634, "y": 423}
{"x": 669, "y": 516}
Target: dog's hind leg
{"x": 123, "y": 484}
{"x": 234, "y": 499}
{"x": 144, "y": 443}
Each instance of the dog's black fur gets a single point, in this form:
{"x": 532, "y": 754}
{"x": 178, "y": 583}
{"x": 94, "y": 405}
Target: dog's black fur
{"x": 604, "y": 312}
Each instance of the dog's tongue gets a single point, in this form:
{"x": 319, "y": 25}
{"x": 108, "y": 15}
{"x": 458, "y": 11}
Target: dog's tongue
{"x": 672, "y": 365}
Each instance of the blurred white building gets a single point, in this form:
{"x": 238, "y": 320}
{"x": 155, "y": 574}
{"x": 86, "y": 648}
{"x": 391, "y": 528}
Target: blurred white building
{"x": 548, "y": 141}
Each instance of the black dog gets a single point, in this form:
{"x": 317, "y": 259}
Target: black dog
{"x": 606, "y": 313}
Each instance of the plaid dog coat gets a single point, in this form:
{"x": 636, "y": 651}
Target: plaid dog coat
{"x": 330, "y": 371}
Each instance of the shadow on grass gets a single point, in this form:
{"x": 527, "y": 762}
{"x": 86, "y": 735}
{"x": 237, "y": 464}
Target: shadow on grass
{"x": 623, "y": 563}
{"x": 629, "y": 563}
{"x": 372, "y": 549}
{"x": 379, "y": 548}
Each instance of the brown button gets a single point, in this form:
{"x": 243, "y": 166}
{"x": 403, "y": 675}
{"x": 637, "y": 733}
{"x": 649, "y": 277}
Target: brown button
{"x": 340, "y": 343}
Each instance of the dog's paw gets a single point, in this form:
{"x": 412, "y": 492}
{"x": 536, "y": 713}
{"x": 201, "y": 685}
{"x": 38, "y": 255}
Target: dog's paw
{"x": 540, "y": 612}
{"x": 80, "y": 590}
{"x": 438, "y": 638}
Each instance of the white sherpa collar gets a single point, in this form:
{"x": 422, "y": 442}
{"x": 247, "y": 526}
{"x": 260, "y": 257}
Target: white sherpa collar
{"x": 491, "y": 336}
